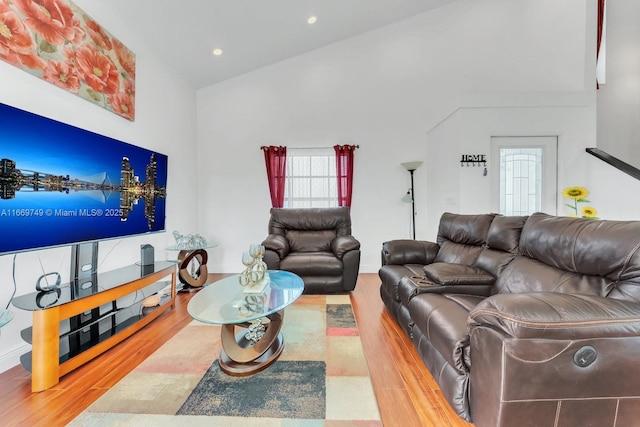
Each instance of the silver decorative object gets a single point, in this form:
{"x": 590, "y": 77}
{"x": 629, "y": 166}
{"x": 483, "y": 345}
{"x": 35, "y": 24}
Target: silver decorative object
{"x": 255, "y": 331}
{"x": 254, "y": 278}
{"x": 189, "y": 241}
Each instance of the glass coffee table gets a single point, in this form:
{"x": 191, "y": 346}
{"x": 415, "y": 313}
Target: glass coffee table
{"x": 259, "y": 316}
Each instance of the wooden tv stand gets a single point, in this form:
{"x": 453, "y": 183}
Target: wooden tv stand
{"x": 75, "y": 300}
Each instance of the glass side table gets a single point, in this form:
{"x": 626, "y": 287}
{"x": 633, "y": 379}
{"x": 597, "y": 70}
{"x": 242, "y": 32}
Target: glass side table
{"x": 192, "y": 266}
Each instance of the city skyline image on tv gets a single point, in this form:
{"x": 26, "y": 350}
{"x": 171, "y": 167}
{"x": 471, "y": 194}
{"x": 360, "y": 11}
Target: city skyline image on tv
{"x": 61, "y": 185}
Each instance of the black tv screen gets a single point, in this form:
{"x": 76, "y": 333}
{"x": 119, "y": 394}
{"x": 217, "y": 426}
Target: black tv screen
{"x": 62, "y": 185}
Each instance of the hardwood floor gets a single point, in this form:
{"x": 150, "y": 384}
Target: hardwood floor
{"x": 407, "y": 394}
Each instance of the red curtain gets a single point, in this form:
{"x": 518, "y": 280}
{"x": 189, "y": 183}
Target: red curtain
{"x": 601, "y": 6}
{"x": 275, "y": 159}
{"x": 344, "y": 172}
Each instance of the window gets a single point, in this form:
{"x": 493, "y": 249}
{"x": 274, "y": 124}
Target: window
{"x": 524, "y": 174}
{"x": 311, "y": 178}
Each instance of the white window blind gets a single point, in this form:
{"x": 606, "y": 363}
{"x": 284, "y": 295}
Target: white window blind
{"x": 311, "y": 178}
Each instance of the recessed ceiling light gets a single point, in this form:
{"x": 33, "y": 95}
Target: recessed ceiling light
{"x": 218, "y": 51}
{"x": 312, "y": 20}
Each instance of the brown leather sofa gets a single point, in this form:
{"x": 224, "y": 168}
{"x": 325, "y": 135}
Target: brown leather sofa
{"x": 524, "y": 321}
{"x": 317, "y": 245}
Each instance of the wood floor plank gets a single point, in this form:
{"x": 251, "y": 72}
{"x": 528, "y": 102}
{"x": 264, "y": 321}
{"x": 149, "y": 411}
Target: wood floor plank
{"x": 407, "y": 394}
{"x": 407, "y": 389}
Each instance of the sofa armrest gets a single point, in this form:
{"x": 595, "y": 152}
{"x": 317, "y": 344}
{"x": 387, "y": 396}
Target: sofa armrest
{"x": 400, "y": 252}
{"x": 571, "y": 352}
{"x": 343, "y": 244}
{"x": 278, "y": 244}
{"x": 556, "y": 316}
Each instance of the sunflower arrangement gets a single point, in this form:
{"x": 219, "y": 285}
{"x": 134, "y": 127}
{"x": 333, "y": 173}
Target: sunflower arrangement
{"x": 579, "y": 195}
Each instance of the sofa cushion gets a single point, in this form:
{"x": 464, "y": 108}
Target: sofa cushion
{"x": 504, "y": 233}
{"x": 462, "y": 237}
{"x": 494, "y": 261}
{"x": 404, "y": 251}
{"x": 312, "y": 263}
{"x": 575, "y": 255}
{"x": 464, "y": 229}
{"x": 528, "y": 275}
{"x": 442, "y": 319}
{"x": 457, "y": 253}
{"x": 442, "y": 273}
{"x": 310, "y": 240}
{"x": 283, "y": 219}
{"x": 582, "y": 246}
{"x": 503, "y": 240}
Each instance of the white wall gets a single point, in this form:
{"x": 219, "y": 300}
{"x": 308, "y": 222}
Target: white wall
{"x": 168, "y": 127}
{"x": 613, "y": 192}
{"x": 469, "y": 130}
{"x": 529, "y": 61}
{"x": 619, "y": 98}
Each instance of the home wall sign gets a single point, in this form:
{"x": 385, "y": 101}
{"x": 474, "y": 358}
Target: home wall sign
{"x": 59, "y": 43}
{"x": 473, "y": 160}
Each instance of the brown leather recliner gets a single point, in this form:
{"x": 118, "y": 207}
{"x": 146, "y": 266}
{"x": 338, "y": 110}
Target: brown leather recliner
{"x": 317, "y": 245}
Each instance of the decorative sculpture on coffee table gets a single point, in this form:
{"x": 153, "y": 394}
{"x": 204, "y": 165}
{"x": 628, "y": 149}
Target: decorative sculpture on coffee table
{"x": 192, "y": 260}
{"x": 254, "y": 278}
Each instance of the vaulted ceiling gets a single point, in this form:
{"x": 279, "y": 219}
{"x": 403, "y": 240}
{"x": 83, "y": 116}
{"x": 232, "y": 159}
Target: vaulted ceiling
{"x": 251, "y": 33}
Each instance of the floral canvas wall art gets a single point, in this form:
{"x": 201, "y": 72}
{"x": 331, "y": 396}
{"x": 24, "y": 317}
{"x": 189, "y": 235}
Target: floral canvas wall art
{"x": 59, "y": 43}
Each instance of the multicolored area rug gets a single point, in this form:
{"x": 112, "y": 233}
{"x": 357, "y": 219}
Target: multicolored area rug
{"x": 321, "y": 379}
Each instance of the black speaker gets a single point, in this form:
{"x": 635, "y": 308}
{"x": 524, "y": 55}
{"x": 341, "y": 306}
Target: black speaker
{"x": 147, "y": 256}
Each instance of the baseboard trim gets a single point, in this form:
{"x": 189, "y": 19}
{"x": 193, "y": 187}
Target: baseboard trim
{"x": 12, "y": 358}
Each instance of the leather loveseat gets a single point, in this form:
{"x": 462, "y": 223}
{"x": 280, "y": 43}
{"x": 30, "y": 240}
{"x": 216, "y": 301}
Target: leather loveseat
{"x": 317, "y": 245}
{"x": 524, "y": 321}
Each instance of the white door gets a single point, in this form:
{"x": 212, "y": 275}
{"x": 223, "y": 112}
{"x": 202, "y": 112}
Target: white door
{"x": 524, "y": 175}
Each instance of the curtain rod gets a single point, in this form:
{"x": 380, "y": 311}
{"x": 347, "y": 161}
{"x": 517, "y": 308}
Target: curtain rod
{"x": 310, "y": 148}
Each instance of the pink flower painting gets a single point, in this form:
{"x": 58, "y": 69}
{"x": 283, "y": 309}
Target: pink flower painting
{"x": 56, "y": 41}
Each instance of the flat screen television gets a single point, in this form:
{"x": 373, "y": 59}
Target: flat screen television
{"x": 62, "y": 185}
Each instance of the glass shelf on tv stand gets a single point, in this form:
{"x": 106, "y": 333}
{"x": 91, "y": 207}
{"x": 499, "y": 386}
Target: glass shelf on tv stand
{"x": 192, "y": 266}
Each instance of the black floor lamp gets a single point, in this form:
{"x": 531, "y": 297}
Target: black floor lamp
{"x": 409, "y": 197}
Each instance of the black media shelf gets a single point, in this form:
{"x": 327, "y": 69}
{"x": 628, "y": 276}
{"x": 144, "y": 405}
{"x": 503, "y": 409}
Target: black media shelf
{"x": 135, "y": 313}
{"x": 27, "y": 333}
{"x": 86, "y": 320}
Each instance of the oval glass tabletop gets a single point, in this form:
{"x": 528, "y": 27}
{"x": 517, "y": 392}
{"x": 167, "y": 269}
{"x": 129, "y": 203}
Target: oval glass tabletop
{"x": 226, "y": 302}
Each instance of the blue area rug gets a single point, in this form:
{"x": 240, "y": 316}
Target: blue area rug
{"x": 291, "y": 389}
